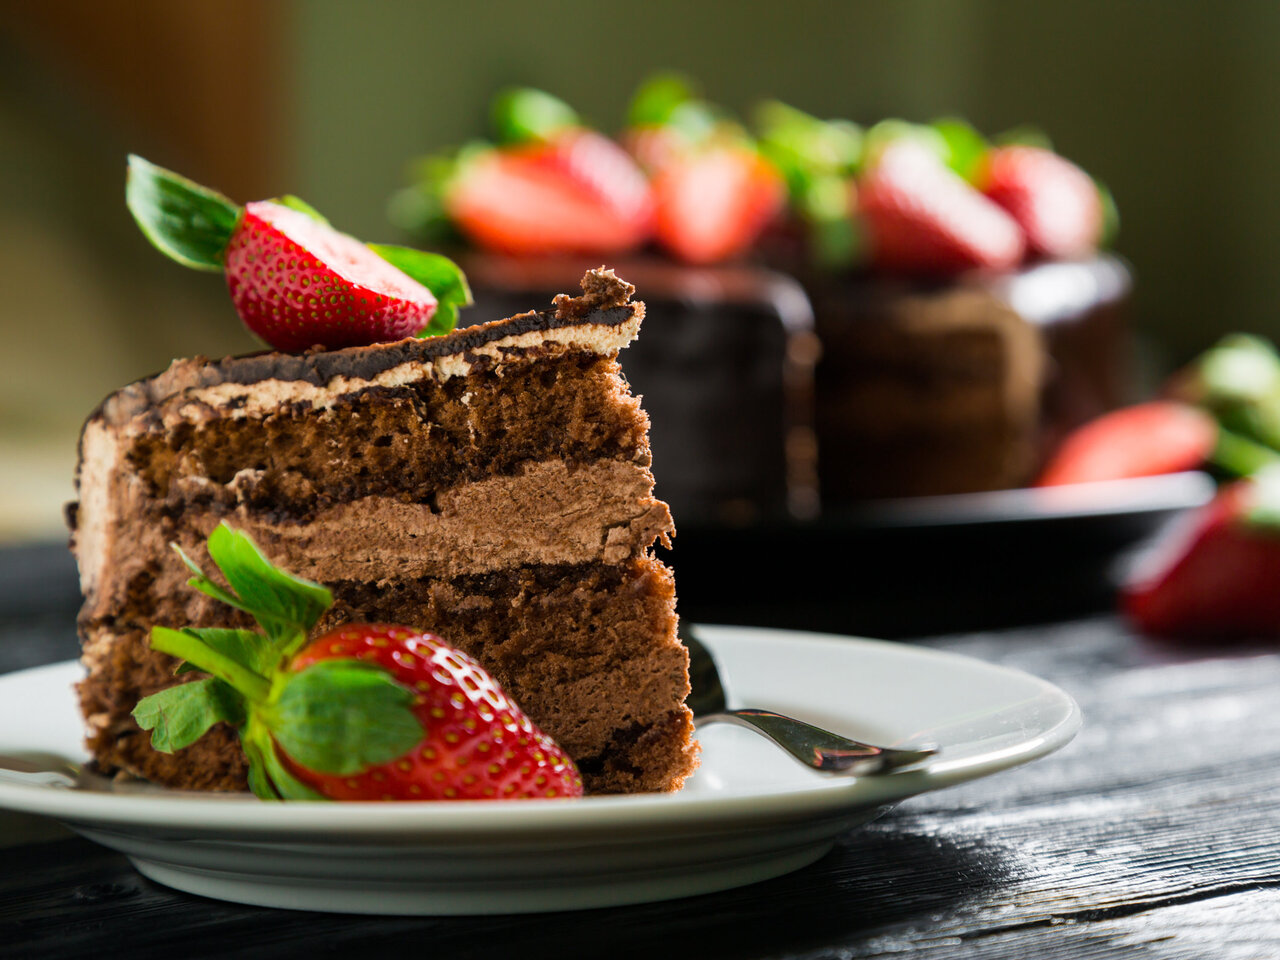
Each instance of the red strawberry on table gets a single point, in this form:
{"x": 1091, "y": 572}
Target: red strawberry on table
{"x": 365, "y": 712}
{"x": 1140, "y": 441}
{"x": 1055, "y": 202}
{"x": 577, "y": 193}
{"x": 713, "y": 201}
{"x": 295, "y": 280}
{"x": 923, "y": 218}
{"x": 1218, "y": 576}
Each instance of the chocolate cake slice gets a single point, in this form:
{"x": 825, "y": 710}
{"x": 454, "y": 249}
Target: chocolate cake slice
{"x": 491, "y": 486}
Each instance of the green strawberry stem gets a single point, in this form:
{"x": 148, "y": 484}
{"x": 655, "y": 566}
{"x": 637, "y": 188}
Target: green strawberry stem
{"x": 522, "y": 114}
{"x": 192, "y": 649}
{"x": 1240, "y": 456}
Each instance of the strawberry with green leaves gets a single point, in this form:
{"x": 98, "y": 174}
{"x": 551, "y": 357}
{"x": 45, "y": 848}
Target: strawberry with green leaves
{"x": 364, "y": 712}
{"x": 1058, "y": 206}
{"x": 922, "y": 217}
{"x": 714, "y": 191}
{"x": 296, "y": 281}
{"x": 550, "y": 186}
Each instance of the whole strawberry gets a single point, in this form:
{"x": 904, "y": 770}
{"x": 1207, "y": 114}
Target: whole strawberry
{"x": 578, "y": 192}
{"x": 365, "y": 712}
{"x": 1160, "y": 436}
{"x": 1056, "y": 203}
{"x": 714, "y": 191}
{"x": 295, "y": 281}
{"x": 921, "y": 217}
{"x": 1214, "y": 577}
{"x": 714, "y": 200}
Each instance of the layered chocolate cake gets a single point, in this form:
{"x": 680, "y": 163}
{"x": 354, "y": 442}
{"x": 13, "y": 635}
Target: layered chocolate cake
{"x": 491, "y": 485}
{"x": 962, "y": 385}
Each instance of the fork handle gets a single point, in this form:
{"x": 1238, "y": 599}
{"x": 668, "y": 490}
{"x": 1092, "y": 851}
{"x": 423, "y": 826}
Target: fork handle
{"x": 821, "y": 749}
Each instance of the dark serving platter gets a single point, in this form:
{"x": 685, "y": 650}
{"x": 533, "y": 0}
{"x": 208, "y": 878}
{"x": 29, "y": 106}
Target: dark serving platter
{"x": 896, "y": 568}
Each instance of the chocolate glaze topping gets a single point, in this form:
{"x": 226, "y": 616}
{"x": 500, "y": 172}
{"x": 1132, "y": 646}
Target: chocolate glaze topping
{"x": 606, "y": 301}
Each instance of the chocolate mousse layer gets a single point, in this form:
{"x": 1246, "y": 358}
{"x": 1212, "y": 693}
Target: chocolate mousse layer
{"x": 492, "y": 486}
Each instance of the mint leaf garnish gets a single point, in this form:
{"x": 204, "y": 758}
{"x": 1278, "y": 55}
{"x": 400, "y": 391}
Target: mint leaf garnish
{"x": 437, "y": 273}
{"x": 340, "y": 716}
{"x": 183, "y": 220}
{"x": 181, "y": 715}
{"x": 522, "y": 113}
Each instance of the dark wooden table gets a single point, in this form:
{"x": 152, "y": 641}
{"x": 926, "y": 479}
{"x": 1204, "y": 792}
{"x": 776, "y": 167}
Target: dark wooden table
{"x": 1156, "y": 833}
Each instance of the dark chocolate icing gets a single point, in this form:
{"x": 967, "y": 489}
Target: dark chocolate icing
{"x": 606, "y": 302}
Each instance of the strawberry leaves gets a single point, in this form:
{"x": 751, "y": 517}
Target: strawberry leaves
{"x": 285, "y": 605}
{"x": 183, "y": 220}
{"x": 181, "y": 715}
{"x": 523, "y": 113}
{"x": 438, "y": 274}
{"x": 339, "y": 716}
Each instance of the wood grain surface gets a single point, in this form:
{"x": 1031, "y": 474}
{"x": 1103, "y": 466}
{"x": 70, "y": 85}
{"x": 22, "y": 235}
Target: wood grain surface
{"x": 1156, "y": 833}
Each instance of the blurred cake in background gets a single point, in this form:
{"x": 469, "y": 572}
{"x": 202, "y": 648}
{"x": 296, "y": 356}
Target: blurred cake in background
{"x": 967, "y": 318}
{"x": 834, "y": 314}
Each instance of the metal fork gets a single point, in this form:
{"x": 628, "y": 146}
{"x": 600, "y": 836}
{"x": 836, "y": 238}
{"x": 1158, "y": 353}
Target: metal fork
{"x": 812, "y": 746}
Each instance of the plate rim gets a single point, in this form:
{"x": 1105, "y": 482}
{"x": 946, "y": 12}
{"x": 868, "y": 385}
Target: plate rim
{"x": 215, "y": 817}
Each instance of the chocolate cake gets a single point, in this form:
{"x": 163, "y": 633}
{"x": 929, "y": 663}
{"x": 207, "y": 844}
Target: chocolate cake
{"x": 491, "y": 485}
{"x": 962, "y": 385}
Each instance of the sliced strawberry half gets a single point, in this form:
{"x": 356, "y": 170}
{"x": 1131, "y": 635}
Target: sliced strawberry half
{"x": 923, "y": 218}
{"x": 1056, "y": 203}
{"x": 296, "y": 282}
{"x": 713, "y": 202}
{"x": 580, "y": 193}
{"x": 1139, "y": 441}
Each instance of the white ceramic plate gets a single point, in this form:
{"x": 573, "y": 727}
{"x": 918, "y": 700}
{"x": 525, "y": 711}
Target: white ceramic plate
{"x": 750, "y": 812}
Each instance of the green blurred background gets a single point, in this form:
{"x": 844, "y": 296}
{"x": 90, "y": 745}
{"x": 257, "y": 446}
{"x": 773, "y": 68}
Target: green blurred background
{"x": 1172, "y": 104}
